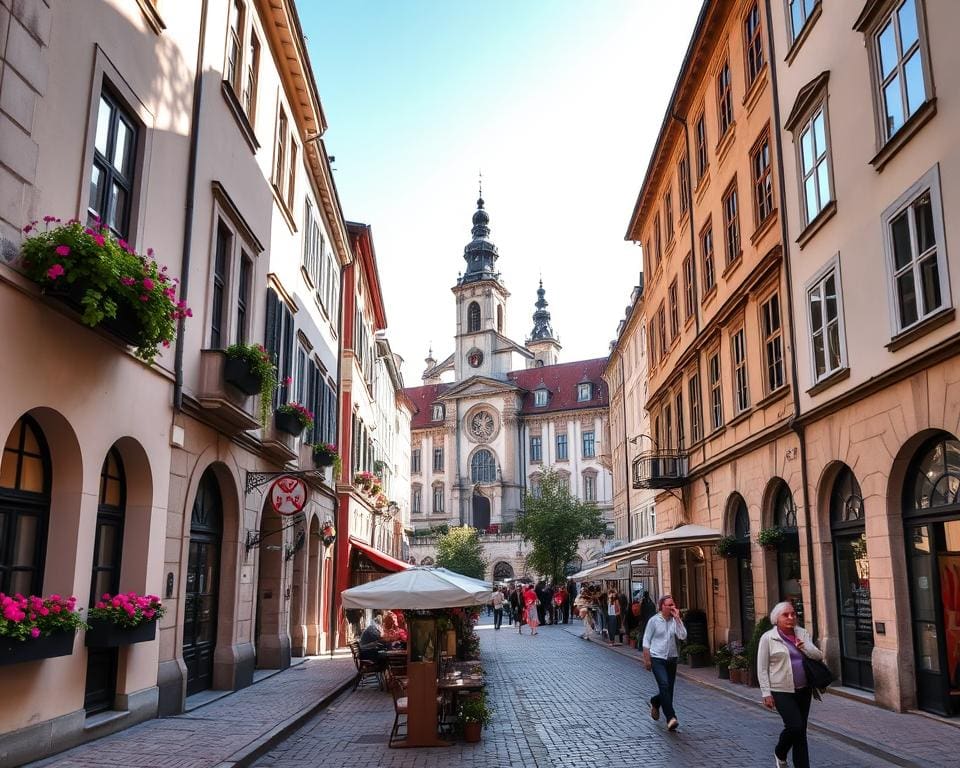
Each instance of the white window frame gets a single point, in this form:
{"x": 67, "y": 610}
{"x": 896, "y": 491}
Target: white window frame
{"x": 820, "y": 159}
{"x": 589, "y": 486}
{"x": 437, "y": 506}
{"x": 584, "y": 392}
{"x": 740, "y": 378}
{"x": 540, "y": 398}
{"x": 416, "y": 500}
{"x": 919, "y": 47}
{"x": 716, "y": 390}
{"x": 817, "y": 281}
{"x": 438, "y": 413}
{"x": 930, "y": 181}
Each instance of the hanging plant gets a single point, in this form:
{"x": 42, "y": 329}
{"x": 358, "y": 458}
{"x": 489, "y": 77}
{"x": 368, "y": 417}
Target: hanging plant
{"x": 258, "y": 362}
{"x": 771, "y": 538}
{"x": 726, "y": 546}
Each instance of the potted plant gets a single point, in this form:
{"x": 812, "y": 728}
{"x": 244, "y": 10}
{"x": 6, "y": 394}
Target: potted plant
{"x": 722, "y": 658}
{"x": 104, "y": 279}
{"x": 33, "y": 628}
{"x": 698, "y": 655}
{"x": 250, "y": 369}
{"x": 364, "y": 480}
{"x": 737, "y": 666}
{"x": 324, "y": 454}
{"x": 474, "y": 715}
{"x": 727, "y": 546}
{"x": 771, "y": 538}
{"x": 293, "y": 418}
{"x": 753, "y": 647}
{"x": 123, "y": 619}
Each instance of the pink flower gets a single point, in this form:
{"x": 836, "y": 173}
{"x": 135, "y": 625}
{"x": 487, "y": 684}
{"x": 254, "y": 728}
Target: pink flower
{"x": 48, "y": 219}
{"x": 55, "y": 608}
{"x": 98, "y": 239}
{"x": 147, "y": 284}
{"x": 34, "y": 632}
{"x": 27, "y": 229}
{"x": 165, "y": 343}
{"x": 55, "y": 271}
{"x": 63, "y": 250}
{"x": 144, "y": 297}
{"x": 149, "y": 251}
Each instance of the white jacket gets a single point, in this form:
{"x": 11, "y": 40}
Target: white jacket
{"x": 774, "y": 671}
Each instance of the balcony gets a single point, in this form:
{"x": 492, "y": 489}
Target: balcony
{"x": 225, "y": 406}
{"x": 660, "y": 470}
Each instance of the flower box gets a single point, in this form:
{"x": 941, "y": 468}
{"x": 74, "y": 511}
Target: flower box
{"x": 322, "y": 459}
{"x": 107, "y": 634}
{"x": 13, "y": 651}
{"x": 288, "y": 422}
{"x": 238, "y": 373}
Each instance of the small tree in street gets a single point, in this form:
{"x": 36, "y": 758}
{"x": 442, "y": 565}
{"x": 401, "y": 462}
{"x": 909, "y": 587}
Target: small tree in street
{"x": 555, "y": 522}
{"x": 460, "y": 551}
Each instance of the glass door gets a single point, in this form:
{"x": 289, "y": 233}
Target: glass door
{"x": 926, "y": 635}
{"x": 856, "y": 615}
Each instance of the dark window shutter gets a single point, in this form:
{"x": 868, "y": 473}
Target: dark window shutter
{"x": 271, "y": 341}
{"x": 286, "y": 357}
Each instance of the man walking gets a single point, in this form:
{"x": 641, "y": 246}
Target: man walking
{"x": 660, "y": 654}
{"x": 497, "y": 603}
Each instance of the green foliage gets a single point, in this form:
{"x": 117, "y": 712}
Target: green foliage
{"x": 726, "y": 546}
{"x": 460, "y": 551}
{"x": 771, "y": 538}
{"x": 695, "y": 649}
{"x": 474, "y": 709}
{"x": 753, "y": 646}
{"x": 260, "y": 365}
{"x": 554, "y": 522}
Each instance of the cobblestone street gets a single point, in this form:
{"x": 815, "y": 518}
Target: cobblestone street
{"x": 560, "y": 701}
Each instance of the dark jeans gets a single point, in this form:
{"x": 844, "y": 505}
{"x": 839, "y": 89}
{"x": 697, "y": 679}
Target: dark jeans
{"x": 794, "y": 709}
{"x": 613, "y": 626}
{"x": 497, "y": 617}
{"x": 665, "y": 671}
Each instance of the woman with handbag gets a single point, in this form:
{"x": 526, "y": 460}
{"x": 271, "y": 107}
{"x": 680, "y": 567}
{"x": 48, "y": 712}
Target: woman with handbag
{"x": 784, "y": 682}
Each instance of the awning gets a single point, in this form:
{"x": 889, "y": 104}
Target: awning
{"x": 596, "y": 571}
{"x": 377, "y": 557}
{"x": 683, "y": 536}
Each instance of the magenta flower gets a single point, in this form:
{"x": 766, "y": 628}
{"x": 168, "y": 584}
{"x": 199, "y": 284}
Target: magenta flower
{"x": 35, "y": 632}
{"x": 55, "y": 271}
{"x": 144, "y": 298}
{"x": 147, "y": 284}
{"x": 63, "y": 250}
{"x": 149, "y": 251}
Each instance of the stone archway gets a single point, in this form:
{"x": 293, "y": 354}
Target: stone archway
{"x": 314, "y": 556}
{"x": 270, "y": 628}
{"x": 502, "y": 571}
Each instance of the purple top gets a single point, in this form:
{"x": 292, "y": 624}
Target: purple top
{"x": 796, "y": 661}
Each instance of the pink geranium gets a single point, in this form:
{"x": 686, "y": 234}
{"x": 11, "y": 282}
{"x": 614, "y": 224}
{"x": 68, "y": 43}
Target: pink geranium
{"x": 127, "y": 609}
{"x": 55, "y": 271}
{"x": 63, "y": 250}
{"x": 29, "y": 617}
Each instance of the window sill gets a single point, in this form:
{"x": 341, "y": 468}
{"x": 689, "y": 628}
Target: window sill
{"x": 814, "y": 226}
{"x": 921, "y": 328}
{"x": 765, "y": 226}
{"x": 717, "y": 432}
{"x": 726, "y": 141}
{"x": 834, "y": 378}
{"x": 756, "y": 89}
{"x": 563, "y": 461}
{"x": 689, "y": 321}
{"x": 804, "y": 34}
{"x": 736, "y": 262}
{"x": 669, "y": 249}
{"x": 708, "y": 296}
{"x": 778, "y": 394}
{"x": 153, "y": 17}
{"x": 907, "y": 131}
{"x": 742, "y": 416}
{"x": 703, "y": 183}
{"x": 282, "y": 204}
{"x": 236, "y": 109}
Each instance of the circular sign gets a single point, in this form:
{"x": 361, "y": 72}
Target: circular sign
{"x": 475, "y": 358}
{"x": 288, "y": 495}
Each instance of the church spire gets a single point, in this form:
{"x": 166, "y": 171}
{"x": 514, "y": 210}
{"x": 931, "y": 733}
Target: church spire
{"x": 480, "y": 254}
{"x": 541, "y": 318}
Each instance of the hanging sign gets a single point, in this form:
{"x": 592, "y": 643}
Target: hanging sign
{"x": 288, "y": 495}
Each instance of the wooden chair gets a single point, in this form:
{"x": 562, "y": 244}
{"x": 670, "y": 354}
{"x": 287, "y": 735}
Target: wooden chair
{"x": 399, "y": 708}
{"x": 366, "y": 669}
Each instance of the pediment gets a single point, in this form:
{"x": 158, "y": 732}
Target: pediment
{"x": 479, "y": 386}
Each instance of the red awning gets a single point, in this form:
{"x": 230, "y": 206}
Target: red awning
{"x": 378, "y": 557}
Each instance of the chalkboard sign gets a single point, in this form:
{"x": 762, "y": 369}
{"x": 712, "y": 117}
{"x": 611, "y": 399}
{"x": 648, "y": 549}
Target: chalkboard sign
{"x": 696, "y": 623}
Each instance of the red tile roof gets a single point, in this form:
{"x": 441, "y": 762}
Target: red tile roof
{"x": 561, "y": 380}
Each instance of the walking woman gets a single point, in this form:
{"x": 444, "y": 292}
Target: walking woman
{"x": 613, "y": 615}
{"x": 531, "y": 604}
{"x": 660, "y": 654}
{"x": 783, "y": 681}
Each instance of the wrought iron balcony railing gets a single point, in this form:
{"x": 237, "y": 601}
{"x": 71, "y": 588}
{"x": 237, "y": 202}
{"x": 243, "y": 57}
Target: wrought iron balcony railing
{"x": 660, "y": 470}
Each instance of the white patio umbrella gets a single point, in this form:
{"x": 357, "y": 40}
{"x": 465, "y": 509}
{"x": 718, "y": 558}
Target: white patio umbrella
{"x": 419, "y": 588}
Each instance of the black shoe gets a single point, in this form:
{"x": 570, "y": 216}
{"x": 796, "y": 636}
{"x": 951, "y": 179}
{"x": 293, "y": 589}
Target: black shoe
{"x": 654, "y": 711}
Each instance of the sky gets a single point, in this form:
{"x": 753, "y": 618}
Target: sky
{"x": 556, "y": 102}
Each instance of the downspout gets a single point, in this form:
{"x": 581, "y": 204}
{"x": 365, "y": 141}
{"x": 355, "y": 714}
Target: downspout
{"x": 459, "y": 479}
{"x": 626, "y": 450}
{"x": 785, "y": 240}
{"x": 188, "y": 207}
{"x": 334, "y": 625}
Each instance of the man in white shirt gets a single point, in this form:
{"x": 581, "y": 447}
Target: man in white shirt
{"x": 660, "y": 654}
{"x": 497, "y": 603}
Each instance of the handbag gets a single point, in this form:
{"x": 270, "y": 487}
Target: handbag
{"x": 818, "y": 674}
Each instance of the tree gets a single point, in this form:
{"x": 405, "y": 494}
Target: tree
{"x": 555, "y": 522}
{"x": 460, "y": 551}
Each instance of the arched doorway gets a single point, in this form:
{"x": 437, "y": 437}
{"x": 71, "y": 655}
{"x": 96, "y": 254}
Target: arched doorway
{"x": 480, "y": 511}
{"x": 202, "y": 585}
{"x": 101, "y": 680}
{"x": 314, "y": 545}
{"x": 931, "y": 514}
{"x": 853, "y": 581}
{"x": 788, "y": 553}
{"x": 744, "y": 568}
{"x": 270, "y": 628}
{"x": 502, "y": 571}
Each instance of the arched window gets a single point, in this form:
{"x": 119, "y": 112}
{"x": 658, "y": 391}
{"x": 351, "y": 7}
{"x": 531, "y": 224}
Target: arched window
{"x": 108, "y": 543}
{"x": 745, "y": 603}
{"x": 788, "y": 553}
{"x": 473, "y": 317}
{"x": 428, "y": 561}
{"x": 24, "y": 509}
{"x": 483, "y": 467}
{"x": 502, "y": 571}
{"x": 936, "y": 478}
{"x": 784, "y": 510}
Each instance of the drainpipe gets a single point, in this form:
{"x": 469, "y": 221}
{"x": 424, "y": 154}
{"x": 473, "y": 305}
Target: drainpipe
{"x": 785, "y": 239}
{"x": 334, "y": 625}
{"x": 188, "y": 207}
{"x": 626, "y": 450}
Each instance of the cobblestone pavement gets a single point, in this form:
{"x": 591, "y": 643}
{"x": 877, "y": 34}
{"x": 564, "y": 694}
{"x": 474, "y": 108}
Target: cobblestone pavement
{"x": 560, "y": 701}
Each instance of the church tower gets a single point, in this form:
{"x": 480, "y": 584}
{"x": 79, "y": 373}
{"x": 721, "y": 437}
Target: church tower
{"x": 542, "y": 342}
{"x": 481, "y": 307}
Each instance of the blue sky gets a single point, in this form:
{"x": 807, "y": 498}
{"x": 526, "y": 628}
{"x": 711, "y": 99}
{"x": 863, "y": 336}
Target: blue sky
{"x": 557, "y": 102}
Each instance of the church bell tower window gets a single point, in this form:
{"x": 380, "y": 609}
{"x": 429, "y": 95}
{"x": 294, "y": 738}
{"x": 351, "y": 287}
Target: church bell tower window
{"x": 473, "y": 317}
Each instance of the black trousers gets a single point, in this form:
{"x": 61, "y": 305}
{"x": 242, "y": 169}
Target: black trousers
{"x": 497, "y": 617}
{"x": 794, "y": 708}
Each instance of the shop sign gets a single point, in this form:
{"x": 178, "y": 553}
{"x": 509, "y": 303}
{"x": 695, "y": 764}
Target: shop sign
{"x": 288, "y": 495}
{"x": 643, "y": 571}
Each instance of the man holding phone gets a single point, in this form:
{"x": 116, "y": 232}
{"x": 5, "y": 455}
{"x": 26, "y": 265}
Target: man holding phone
{"x": 660, "y": 654}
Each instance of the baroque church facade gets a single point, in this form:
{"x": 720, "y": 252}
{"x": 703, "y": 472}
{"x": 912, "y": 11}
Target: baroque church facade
{"x": 491, "y": 416}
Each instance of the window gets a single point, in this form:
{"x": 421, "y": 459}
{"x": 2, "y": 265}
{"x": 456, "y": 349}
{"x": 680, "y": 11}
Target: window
{"x": 662, "y": 330}
{"x": 114, "y": 160}
{"x": 674, "y": 310}
{"x": 814, "y": 167}
{"x": 741, "y": 396}
{"x": 724, "y": 98}
{"x": 438, "y": 413}
{"x": 221, "y": 269}
{"x": 589, "y": 487}
{"x": 301, "y": 377}
{"x": 438, "y": 459}
{"x": 913, "y": 241}
{"x": 589, "y": 446}
{"x": 415, "y": 461}
{"x": 535, "y": 488}
{"x": 278, "y": 341}
{"x": 678, "y": 407}
{"x": 772, "y": 342}
{"x": 731, "y": 224}
{"x": 250, "y": 86}
{"x": 706, "y": 249}
{"x": 700, "y": 134}
{"x": 696, "y": 417}
{"x": 280, "y": 155}
{"x": 235, "y": 45}
{"x": 438, "y": 499}
{"x": 716, "y": 396}
{"x": 652, "y": 341}
{"x": 667, "y": 436}
{"x": 800, "y": 11}
{"x": 762, "y": 180}
{"x": 499, "y": 318}
{"x": 584, "y": 392}
{"x": 753, "y": 44}
{"x": 473, "y": 317}
{"x": 900, "y": 67}
{"x": 483, "y": 467}
{"x": 657, "y": 241}
{"x": 683, "y": 186}
{"x": 561, "y": 447}
{"x": 108, "y": 538}
{"x": 243, "y": 297}
{"x": 312, "y": 245}
{"x": 826, "y": 339}
{"x": 688, "y": 287}
{"x": 416, "y": 494}
{"x": 536, "y": 448}
{"x": 668, "y": 215}
{"x": 292, "y": 173}
{"x": 540, "y": 398}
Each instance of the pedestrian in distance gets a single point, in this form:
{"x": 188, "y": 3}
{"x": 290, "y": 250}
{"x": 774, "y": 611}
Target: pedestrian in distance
{"x": 660, "y": 655}
{"x": 519, "y": 609}
{"x": 783, "y": 681}
{"x": 613, "y": 615}
{"x": 497, "y": 603}
{"x": 532, "y": 605}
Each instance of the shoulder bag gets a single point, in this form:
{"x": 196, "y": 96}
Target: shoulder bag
{"x": 818, "y": 674}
